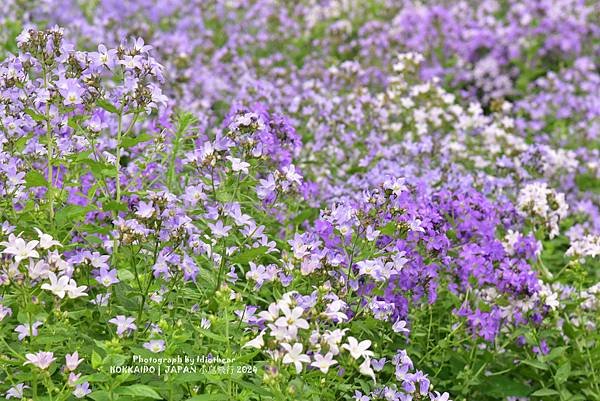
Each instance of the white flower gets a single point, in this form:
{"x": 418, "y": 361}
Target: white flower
{"x": 281, "y": 333}
{"x": 258, "y": 342}
{"x": 238, "y": 165}
{"x": 58, "y": 286}
{"x": 536, "y": 200}
{"x": 39, "y": 269}
{"x": 400, "y": 327}
{"x": 323, "y": 362}
{"x": 73, "y": 291}
{"x": 441, "y": 397}
{"x": 19, "y": 248}
{"x": 294, "y": 355}
{"x": 291, "y": 175}
{"x": 292, "y": 319}
{"x": 357, "y": 349}
{"x": 46, "y": 240}
{"x": 334, "y": 338}
{"x": 366, "y": 369}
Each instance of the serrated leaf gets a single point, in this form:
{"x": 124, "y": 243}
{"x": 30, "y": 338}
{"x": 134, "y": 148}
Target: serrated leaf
{"x": 35, "y": 115}
{"x": 388, "y": 229}
{"x": 544, "y": 392}
{"x": 249, "y": 254}
{"x": 125, "y": 275}
{"x": 563, "y": 373}
{"x": 208, "y": 397}
{"x": 34, "y": 178}
{"x": 139, "y": 390}
{"x": 72, "y": 213}
{"x": 96, "y": 360}
{"x": 100, "y": 395}
{"x": 128, "y": 142}
{"x": 106, "y": 105}
{"x": 114, "y": 206}
{"x": 536, "y": 364}
{"x": 254, "y": 388}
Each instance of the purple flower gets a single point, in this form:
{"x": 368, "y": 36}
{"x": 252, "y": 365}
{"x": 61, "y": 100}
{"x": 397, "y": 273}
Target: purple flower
{"x": 40, "y": 359}
{"x": 124, "y": 324}
{"x": 378, "y": 364}
{"x": 72, "y": 361}
{"x": 16, "y": 391}
{"x": 400, "y": 327}
{"x": 155, "y": 346}
{"x": 218, "y": 229}
{"x": 71, "y": 91}
{"x": 81, "y": 390}
{"x": 4, "y": 311}
{"x": 145, "y": 210}
{"x": 107, "y": 277}
{"x": 25, "y": 330}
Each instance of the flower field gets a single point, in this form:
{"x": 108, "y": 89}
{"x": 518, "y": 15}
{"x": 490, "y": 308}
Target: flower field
{"x": 271, "y": 200}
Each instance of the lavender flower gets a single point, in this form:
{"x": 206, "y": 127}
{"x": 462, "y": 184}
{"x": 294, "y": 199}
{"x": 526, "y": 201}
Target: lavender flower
{"x": 124, "y": 324}
{"x": 41, "y": 359}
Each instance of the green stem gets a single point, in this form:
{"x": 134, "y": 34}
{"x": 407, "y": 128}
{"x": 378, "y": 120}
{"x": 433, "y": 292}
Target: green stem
{"x": 50, "y": 151}
{"x": 117, "y": 179}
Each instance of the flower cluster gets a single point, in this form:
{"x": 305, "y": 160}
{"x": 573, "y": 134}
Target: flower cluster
{"x": 344, "y": 199}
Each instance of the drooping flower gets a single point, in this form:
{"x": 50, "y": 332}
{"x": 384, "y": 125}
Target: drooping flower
{"x": 258, "y": 342}
{"x": 366, "y": 369}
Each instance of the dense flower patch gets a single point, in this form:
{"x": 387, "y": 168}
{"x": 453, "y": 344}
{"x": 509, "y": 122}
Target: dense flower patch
{"x": 312, "y": 200}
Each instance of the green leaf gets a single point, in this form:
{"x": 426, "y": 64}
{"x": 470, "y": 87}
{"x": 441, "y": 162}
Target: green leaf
{"x": 35, "y": 115}
{"x": 129, "y": 142}
{"x": 544, "y": 392}
{"x": 208, "y": 397}
{"x": 72, "y": 213}
{"x": 125, "y": 275}
{"x": 254, "y": 388}
{"x": 99, "y": 377}
{"x": 503, "y": 387}
{"x": 34, "y": 178}
{"x": 114, "y": 206}
{"x": 139, "y": 390}
{"x": 106, "y": 105}
{"x": 96, "y": 360}
{"x": 536, "y": 364}
{"x": 563, "y": 373}
{"x": 100, "y": 395}
{"x": 100, "y": 170}
{"x": 214, "y": 336}
{"x": 555, "y": 353}
{"x": 250, "y": 254}
{"x": 389, "y": 228}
